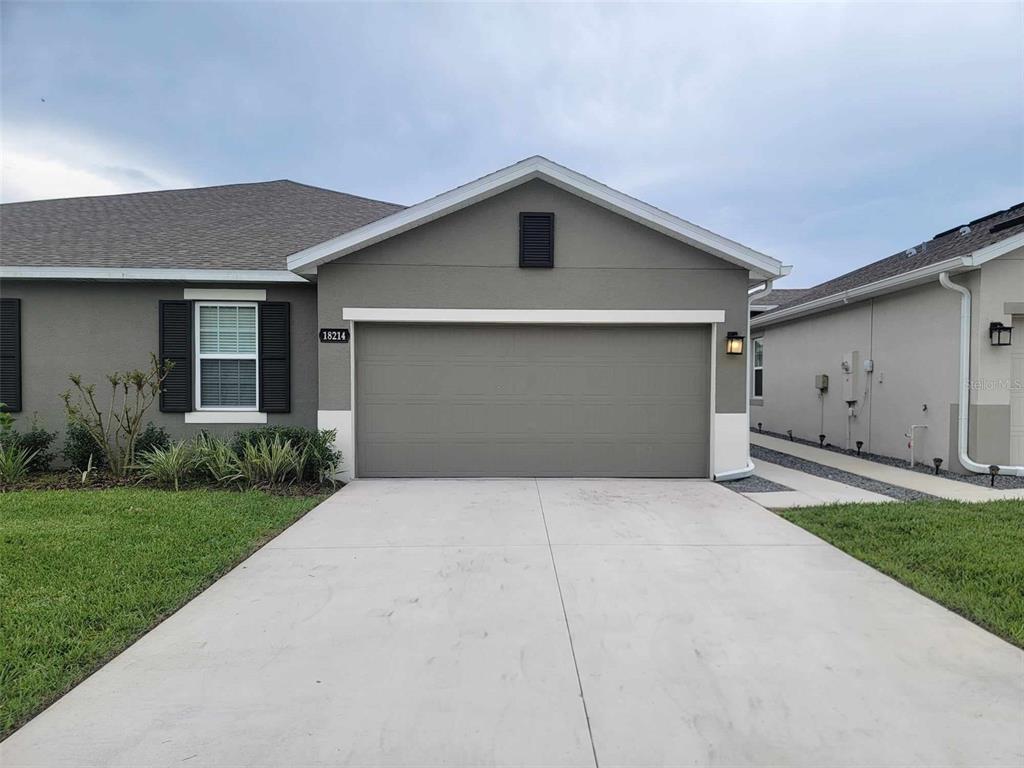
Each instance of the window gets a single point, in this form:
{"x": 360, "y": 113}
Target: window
{"x": 226, "y": 357}
{"x": 759, "y": 367}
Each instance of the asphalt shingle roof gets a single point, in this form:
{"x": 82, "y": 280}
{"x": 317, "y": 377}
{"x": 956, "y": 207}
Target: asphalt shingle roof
{"x": 781, "y": 296}
{"x": 237, "y": 226}
{"x": 945, "y": 245}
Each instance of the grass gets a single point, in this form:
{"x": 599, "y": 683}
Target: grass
{"x": 85, "y": 573}
{"x": 968, "y": 557}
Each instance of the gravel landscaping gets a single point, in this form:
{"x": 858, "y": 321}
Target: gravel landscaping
{"x": 755, "y": 484}
{"x": 820, "y": 470}
{"x": 1002, "y": 481}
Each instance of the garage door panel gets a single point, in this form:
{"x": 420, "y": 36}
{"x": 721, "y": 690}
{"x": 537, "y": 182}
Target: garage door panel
{"x": 525, "y": 418}
{"x": 568, "y": 458}
{"x": 571, "y": 379}
{"x": 532, "y": 400}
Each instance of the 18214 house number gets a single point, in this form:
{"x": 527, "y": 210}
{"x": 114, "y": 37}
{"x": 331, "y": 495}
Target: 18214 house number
{"x": 334, "y": 335}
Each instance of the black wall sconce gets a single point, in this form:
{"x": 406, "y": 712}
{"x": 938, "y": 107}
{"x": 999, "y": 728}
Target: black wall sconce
{"x": 999, "y": 334}
{"x": 734, "y": 343}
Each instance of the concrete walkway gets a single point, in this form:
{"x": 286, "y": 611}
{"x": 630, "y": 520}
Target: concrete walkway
{"x": 906, "y": 478}
{"x": 545, "y": 623}
{"x": 807, "y": 490}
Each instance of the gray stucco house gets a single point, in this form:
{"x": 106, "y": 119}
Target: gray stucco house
{"x": 903, "y": 342}
{"x": 531, "y": 322}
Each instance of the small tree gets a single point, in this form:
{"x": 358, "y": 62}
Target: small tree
{"x": 116, "y": 429}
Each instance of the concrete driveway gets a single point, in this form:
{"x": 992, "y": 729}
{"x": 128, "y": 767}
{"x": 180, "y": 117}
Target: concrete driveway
{"x": 546, "y": 623}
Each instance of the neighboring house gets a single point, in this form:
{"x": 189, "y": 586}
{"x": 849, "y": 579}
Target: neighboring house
{"x": 532, "y": 322}
{"x": 773, "y": 299}
{"x": 890, "y": 338}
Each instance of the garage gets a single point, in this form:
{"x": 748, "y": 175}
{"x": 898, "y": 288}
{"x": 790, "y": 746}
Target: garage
{"x": 477, "y": 400}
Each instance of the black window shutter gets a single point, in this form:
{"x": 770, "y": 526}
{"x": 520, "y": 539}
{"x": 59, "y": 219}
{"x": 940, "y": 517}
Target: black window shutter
{"x": 10, "y": 354}
{"x": 275, "y": 357}
{"x": 536, "y": 239}
{"x": 176, "y": 346}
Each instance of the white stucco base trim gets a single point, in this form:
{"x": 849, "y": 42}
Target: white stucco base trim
{"x": 731, "y": 446}
{"x": 225, "y": 417}
{"x": 345, "y": 441}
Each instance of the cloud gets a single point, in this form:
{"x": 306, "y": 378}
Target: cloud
{"x": 41, "y": 164}
{"x": 827, "y": 134}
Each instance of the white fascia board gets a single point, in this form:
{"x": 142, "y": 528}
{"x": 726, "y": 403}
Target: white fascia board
{"x": 146, "y": 274}
{"x": 306, "y": 261}
{"x": 877, "y": 288}
{"x": 535, "y": 316}
{"x": 994, "y": 251}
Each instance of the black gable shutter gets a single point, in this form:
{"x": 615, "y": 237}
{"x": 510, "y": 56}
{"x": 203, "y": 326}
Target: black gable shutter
{"x": 275, "y": 357}
{"x": 536, "y": 239}
{"x": 10, "y": 354}
{"x": 176, "y": 346}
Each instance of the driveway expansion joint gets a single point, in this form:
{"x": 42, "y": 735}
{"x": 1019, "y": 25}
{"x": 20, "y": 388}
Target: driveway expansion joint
{"x": 568, "y": 630}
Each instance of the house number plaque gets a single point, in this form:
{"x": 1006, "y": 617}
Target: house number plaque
{"x": 334, "y": 335}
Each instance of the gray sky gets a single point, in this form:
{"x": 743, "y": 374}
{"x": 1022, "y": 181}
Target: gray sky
{"x": 825, "y": 135}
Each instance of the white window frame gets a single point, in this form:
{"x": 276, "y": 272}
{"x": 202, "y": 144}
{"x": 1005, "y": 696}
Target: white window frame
{"x": 221, "y": 356}
{"x": 754, "y": 344}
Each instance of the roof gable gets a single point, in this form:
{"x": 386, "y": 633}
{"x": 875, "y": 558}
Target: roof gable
{"x": 760, "y": 265}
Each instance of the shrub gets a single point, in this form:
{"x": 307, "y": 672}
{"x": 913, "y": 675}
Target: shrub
{"x": 322, "y": 459}
{"x": 170, "y": 465}
{"x": 216, "y": 460}
{"x": 79, "y": 446}
{"x": 36, "y": 441}
{"x": 270, "y": 462}
{"x": 151, "y": 438}
{"x": 14, "y": 463}
{"x": 6, "y": 425}
{"x": 116, "y": 428}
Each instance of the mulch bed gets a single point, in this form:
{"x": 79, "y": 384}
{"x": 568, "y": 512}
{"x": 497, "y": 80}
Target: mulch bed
{"x": 71, "y": 480}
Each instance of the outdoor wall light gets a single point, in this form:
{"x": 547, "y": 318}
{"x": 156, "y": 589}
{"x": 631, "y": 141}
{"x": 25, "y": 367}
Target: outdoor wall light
{"x": 734, "y": 343}
{"x": 999, "y": 334}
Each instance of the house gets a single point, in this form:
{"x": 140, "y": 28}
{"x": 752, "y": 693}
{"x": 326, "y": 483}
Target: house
{"x": 773, "y": 298}
{"x": 531, "y": 322}
{"x": 883, "y": 356}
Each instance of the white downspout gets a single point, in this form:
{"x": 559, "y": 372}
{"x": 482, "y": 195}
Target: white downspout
{"x": 965, "y": 383}
{"x": 747, "y": 471}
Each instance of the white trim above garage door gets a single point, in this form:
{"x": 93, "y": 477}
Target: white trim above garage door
{"x": 535, "y": 316}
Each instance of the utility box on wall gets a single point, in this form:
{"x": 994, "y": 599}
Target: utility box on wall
{"x": 821, "y": 382}
{"x": 851, "y": 376}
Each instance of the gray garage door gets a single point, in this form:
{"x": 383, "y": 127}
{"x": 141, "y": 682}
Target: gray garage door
{"x": 529, "y": 400}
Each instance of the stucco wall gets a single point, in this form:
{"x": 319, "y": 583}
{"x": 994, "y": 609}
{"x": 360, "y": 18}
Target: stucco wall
{"x": 998, "y": 283}
{"x": 469, "y": 259}
{"x": 911, "y": 338}
{"x": 95, "y": 328}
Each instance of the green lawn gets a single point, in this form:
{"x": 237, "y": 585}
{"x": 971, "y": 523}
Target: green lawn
{"x": 85, "y": 573}
{"x": 968, "y": 557}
